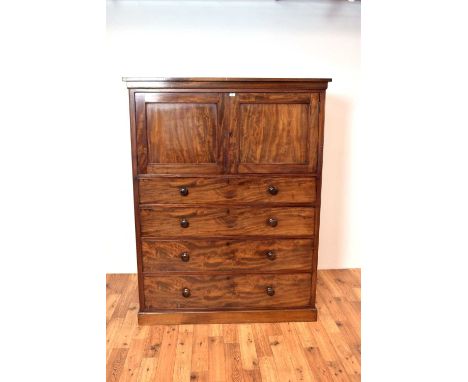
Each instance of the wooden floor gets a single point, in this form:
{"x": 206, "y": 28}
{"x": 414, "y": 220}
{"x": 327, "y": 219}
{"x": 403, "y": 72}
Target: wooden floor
{"x": 327, "y": 350}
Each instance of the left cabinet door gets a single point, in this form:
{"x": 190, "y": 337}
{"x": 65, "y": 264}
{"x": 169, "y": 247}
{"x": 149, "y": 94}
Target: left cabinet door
{"x": 179, "y": 133}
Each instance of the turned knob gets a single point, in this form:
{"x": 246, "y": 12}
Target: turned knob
{"x": 185, "y": 256}
{"x": 272, "y": 190}
{"x": 271, "y": 255}
{"x": 183, "y": 190}
{"x": 272, "y": 222}
{"x": 186, "y": 292}
{"x": 184, "y": 223}
{"x": 270, "y": 291}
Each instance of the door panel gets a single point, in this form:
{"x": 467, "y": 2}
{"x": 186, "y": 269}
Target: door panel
{"x": 275, "y": 132}
{"x": 179, "y": 133}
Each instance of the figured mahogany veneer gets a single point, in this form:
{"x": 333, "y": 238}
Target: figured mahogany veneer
{"x": 238, "y": 190}
{"x": 225, "y": 255}
{"x": 227, "y": 180}
{"x": 227, "y": 291}
{"x": 226, "y": 221}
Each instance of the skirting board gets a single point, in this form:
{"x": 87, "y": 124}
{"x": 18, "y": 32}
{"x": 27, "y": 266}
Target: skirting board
{"x": 226, "y": 317}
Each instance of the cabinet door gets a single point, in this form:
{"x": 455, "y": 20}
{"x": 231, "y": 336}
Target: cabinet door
{"x": 179, "y": 133}
{"x": 275, "y": 132}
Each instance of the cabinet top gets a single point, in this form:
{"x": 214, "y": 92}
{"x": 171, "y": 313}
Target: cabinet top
{"x": 226, "y": 83}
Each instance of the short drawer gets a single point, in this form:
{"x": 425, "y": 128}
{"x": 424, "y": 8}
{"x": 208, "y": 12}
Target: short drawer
{"x": 227, "y": 291}
{"x": 227, "y": 190}
{"x": 227, "y": 255}
{"x": 216, "y": 221}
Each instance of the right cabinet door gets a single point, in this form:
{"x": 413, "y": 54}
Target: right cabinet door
{"x": 275, "y": 132}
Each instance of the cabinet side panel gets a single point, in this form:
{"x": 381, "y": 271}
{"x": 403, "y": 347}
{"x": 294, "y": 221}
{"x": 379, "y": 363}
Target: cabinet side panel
{"x": 321, "y": 123}
{"x": 136, "y": 196}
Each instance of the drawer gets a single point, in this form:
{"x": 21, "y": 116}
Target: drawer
{"x": 231, "y": 190}
{"x": 227, "y": 255}
{"x": 227, "y": 291}
{"x": 216, "y": 221}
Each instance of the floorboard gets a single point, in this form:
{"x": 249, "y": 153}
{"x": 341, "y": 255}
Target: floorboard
{"x": 326, "y": 350}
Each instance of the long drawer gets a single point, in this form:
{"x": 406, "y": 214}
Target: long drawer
{"x": 227, "y": 255}
{"x": 227, "y": 190}
{"x": 217, "y": 221}
{"x": 227, "y": 291}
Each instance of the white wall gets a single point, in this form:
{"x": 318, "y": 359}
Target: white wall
{"x": 238, "y": 39}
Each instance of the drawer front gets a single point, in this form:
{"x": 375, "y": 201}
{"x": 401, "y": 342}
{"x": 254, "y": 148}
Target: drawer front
{"x": 195, "y": 222}
{"x": 227, "y": 291}
{"x": 227, "y": 190}
{"x": 227, "y": 255}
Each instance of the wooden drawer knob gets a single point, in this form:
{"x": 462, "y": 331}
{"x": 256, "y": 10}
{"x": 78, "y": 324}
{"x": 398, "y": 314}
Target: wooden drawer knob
{"x": 184, "y": 223}
{"x": 271, "y": 255}
{"x": 272, "y": 190}
{"x": 185, "y": 256}
{"x": 272, "y": 222}
{"x": 186, "y": 292}
{"x": 183, "y": 190}
{"x": 270, "y": 291}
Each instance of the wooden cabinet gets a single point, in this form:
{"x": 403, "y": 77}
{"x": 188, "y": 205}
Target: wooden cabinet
{"x": 227, "y": 179}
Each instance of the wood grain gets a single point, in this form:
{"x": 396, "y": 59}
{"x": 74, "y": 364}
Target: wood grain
{"x": 226, "y": 291}
{"x": 179, "y": 133}
{"x": 239, "y": 190}
{"x": 226, "y": 316}
{"x": 273, "y": 133}
{"x": 326, "y": 350}
{"x": 321, "y": 129}
{"x": 227, "y": 255}
{"x": 211, "y": 221}
{"x": 136, "y": 193}
{"x": 227, "y": 84}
